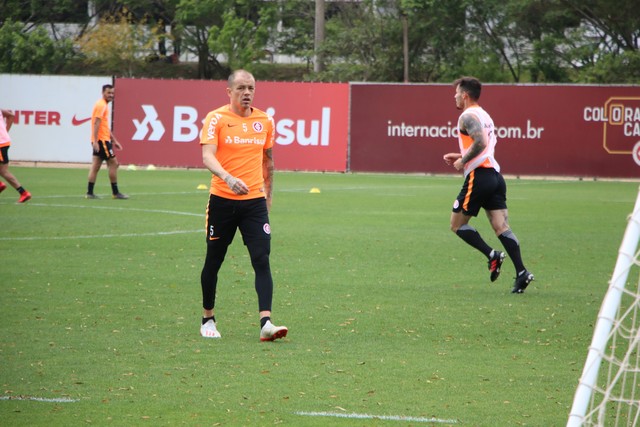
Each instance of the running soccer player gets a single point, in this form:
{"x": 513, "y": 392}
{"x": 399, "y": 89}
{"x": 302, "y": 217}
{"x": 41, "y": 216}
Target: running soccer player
{"x": 6, "y": 121}
{"x": 484, "y": 186}
{"x": 237, "y": 140}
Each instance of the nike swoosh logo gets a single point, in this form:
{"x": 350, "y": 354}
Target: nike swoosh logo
{"x": 232, "y": 125}
{"x": 213, "y": 238}
{"x": 77, "y": 122}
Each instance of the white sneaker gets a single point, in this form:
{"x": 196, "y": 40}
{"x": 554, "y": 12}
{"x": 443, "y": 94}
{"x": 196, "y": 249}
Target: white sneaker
{"x": 270, "y": 332}
{"x": 209, "y": 330}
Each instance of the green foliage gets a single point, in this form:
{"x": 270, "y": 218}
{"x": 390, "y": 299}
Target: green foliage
{"x": 363, "y": 43}
{"x": 243, "y": 35}
{"x": 296, "y": 37}
{"x": 478, "y": 62}
{"x": 119, "y": 43}
{"x": 614, "y": 68}
{"x": 389, "y": 312}
{"x": 194, "y": 18}
{"x": 568, "y": 41}
{"x": 44, "y": 11}
{"x": 31, "y": 51}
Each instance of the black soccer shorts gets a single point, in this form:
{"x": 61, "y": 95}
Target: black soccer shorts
{"x": 225, "y": 216}
{"x": 105, "y": 150}
{"x": 483, "y": 188}
{"x": 4, "y": 155}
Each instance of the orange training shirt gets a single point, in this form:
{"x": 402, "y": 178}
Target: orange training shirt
{"x": 241, "y": 143}
{"x": 101, "y": 111}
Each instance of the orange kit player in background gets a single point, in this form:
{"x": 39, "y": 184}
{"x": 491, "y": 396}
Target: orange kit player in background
{"x": 102, "y": 142}
{"x": 237, "y": 141}
{"x": 5, "y": 142}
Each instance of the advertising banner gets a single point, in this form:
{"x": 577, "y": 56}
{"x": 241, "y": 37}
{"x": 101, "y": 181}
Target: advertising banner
{"x": 160, "y": 121}
{"x": 591, "y": 131}
{"x": 52, "y": 116}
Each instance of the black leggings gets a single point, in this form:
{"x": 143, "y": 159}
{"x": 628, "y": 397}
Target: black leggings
{"x": 259, "y": 251}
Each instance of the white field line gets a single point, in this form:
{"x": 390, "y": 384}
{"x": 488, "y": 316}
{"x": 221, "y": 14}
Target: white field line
{"x": 119, "y": 208}
{"x": 40, "y": 399}
{"x": 378, "y": 417}
{"x": 108, "y": 196}
{"x": 100, "y": 236}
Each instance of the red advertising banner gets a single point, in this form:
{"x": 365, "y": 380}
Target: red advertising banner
{"x": 591, "y": 131}
{"x": 159, "y": 121}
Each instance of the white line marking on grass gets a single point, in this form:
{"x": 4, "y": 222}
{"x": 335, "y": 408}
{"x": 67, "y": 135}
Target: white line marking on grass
{"x": 40, "y": 399}
{"x": 108, "y": 196}
{"x": 102, "y": 236}
{"x": 379, "y": 417}
{"x": 120, "y": 208}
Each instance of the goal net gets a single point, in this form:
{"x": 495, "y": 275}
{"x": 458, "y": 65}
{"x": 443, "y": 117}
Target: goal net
{"x": 608, "y": 393}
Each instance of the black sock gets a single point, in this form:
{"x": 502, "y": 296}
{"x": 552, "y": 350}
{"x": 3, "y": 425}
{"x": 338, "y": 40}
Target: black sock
{"x": 512, "y": 246}
{"x": 473, "y": 238}
{"x": 90, "y": 187}
{"x": 264, "y": 320}
{"x": 206, "y": 319}
{"x": 114, "y": 188}
{"x": 20, "y": 190}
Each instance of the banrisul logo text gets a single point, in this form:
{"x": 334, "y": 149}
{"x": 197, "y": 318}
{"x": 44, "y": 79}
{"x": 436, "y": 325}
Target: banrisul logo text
{"x": 313, "y": 133}
{"x": 187, "y": 122}
{"x": 150, "y": 128}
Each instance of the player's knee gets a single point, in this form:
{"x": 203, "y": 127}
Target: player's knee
{"x": 259, "y": 252}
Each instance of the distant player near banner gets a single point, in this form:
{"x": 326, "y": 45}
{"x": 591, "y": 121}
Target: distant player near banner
{"x": 6, "y": 121}
{"x": 484, "y": 187}
{"x": 102, "y": 142}
{"x": 237, "y": 141}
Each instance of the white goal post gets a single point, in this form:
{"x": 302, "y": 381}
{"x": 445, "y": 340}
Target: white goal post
{"x": 613, "y": 397}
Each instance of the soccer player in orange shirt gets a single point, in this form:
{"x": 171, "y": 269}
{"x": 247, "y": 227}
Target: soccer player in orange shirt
{"x": 102, "y": 142}
{"x": 484, "y": 187}
{"x": 237, "y": 141}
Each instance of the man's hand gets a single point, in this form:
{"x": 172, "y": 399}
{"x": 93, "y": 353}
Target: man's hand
{"x": 236, "y": 185}
{"x": 450, "y": 158}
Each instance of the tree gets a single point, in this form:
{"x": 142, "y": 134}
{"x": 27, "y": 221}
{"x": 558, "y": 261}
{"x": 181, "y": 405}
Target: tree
{"x": 38, "y": 12}
{"x": 436, "y": 34}
{"x": 318, "y": 36}
{"x": 605, "y": 43}
{"x": 24, "y": 50}
{"x": 296, "y": 34}
{"x": 366, "y": 40}
{"x": 119, "y": 44}
{"x": 157, "y": 13}
{"x": 244, "y": 33}
{"x": 489, "y": 25}
{"x": 193, "y": 20}
{"x": 363, "y": 43}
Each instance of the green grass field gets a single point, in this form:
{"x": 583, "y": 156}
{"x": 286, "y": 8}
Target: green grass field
{"x": 390, "y": 314}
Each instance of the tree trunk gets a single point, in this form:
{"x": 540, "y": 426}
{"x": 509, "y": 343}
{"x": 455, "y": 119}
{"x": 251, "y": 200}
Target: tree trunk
{"x": 318, "y": 64}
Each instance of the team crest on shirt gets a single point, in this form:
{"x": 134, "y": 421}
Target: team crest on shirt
{"x": 267, "y": 228}
{"x": 257, "y": 126}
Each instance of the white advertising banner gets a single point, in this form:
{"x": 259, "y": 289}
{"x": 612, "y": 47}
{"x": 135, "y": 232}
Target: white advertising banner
{"x": 53, "y": 115}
